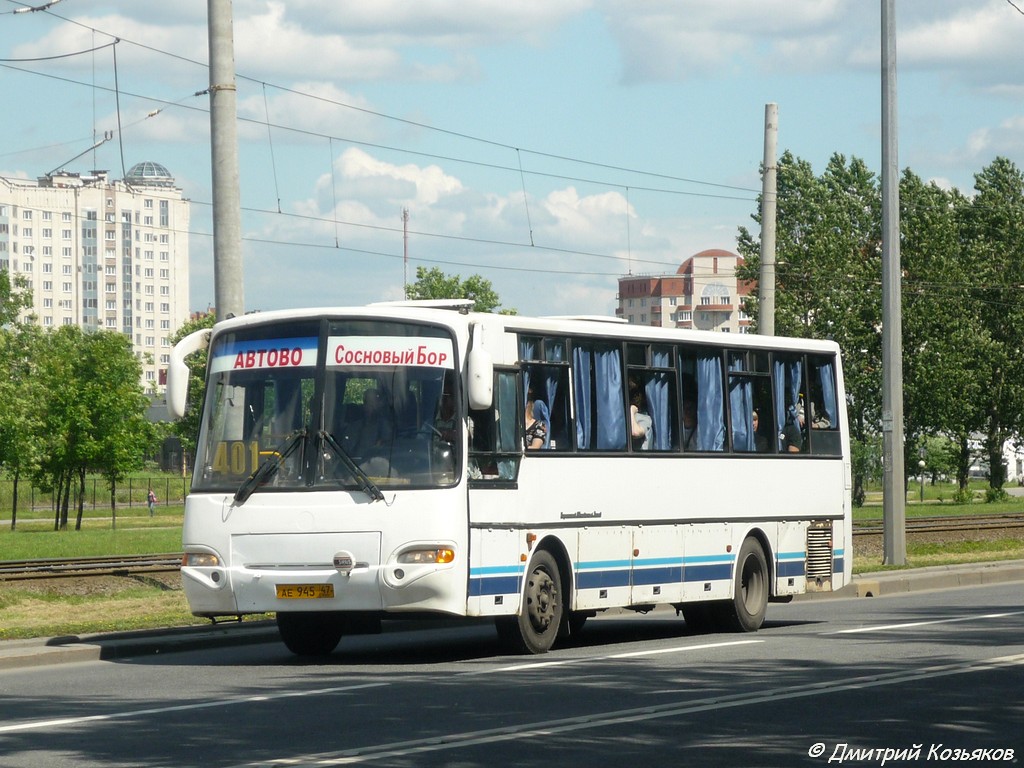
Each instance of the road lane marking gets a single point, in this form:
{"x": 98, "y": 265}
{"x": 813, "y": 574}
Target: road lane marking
{"x": 64, "y": 721}
{"x": 913, "y": 624}
{"x": 631, "y": 654}
{"x": 550, "y": 728}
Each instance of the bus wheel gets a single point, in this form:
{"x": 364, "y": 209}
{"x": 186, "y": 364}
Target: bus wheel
{"x": 310, "y": 634}
{"x": 535, "y": 628}
{"x": 745, "y": 612}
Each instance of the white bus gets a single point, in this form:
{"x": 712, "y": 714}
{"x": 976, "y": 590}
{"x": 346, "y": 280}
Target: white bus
{"x": 358, "y": 464}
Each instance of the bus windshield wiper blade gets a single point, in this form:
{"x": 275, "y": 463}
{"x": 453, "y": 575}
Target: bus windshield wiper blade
{"x": 366, "y": 485}
{"x": 267, "y": 469}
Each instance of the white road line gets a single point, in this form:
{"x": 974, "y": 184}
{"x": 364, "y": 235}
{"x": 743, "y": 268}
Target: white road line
{"x": 64, "y": 721}
{"x": 534, "y": 665}
{"x": 546, "y": 729}
{"x": 913, "y": 624}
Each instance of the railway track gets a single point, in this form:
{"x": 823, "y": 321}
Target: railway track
{"x": 939, "y": 524}
{"x": 119, "y": 565}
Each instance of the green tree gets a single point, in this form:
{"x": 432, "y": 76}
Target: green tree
{"x": 110, "y": 376}
{"x": 15, "y": 298}
{"x": 21, "y": 394}
{"x": 434, "y": 284}
{"x": 993, "y": 247}
{"x": 944, "y": 346}
{"x": 828, "y": 256}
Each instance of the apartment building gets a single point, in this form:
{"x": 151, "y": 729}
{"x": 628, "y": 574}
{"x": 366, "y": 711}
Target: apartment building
{"x": 103, "y": 254}
{"x": 703, "y": 294}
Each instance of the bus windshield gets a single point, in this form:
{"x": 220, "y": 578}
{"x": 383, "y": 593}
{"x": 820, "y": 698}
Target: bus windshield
{"x": 358, "y": 405}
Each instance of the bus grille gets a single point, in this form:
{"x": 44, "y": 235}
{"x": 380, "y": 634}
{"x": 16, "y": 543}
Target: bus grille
{"x": 819, "y": 556}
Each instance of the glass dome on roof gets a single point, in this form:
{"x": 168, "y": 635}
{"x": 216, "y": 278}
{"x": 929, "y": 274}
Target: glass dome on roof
{"x": 149, "y": 174}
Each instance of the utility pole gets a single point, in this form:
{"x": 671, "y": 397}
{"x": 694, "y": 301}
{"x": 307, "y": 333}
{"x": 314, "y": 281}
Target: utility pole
{"x": 894, "y": 497}
{"x": 227, "y": 209}
{"x": 766, "y": 285}
{"x": 405, "y": 252}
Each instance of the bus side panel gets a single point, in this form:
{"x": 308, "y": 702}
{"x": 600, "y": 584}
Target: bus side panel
{"x": 790, "y": 566}
{"x": 495, "y": 571}
{"x": 603, "y": 567}
{"x": 707, "y": 566}
{"x": 657, "y": 564}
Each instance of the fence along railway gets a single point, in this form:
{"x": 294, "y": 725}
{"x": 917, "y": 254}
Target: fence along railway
{"x": 123, "y": 565}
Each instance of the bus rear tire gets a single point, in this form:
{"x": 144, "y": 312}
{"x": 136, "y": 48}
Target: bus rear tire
{"x": 536, "y": 627}
{"x": 310, "y": 634}
{"x": 745, "y": 612}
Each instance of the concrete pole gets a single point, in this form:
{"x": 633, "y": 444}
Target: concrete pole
{"x": 894, "y": 499}
{"x": 766, "y": 284}
{"x": 227, "y": 210}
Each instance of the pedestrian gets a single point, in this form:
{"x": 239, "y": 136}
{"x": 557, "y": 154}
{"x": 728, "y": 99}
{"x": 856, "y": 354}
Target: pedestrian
{"x": 152, "y": 501}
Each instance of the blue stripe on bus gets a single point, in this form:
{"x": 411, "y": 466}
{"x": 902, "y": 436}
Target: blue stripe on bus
{"x": 715, "y": 572}
{"x": 498, "y": 585}
{"x": 667, "y": 575}
{"x": 790, "y": 568}
{"x": 790, "y": 564}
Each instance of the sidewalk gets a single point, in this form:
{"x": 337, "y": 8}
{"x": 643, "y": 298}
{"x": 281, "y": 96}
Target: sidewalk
{"x": 16, "y": 654}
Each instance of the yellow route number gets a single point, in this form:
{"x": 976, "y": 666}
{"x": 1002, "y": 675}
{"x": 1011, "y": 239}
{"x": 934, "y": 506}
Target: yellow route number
{"x": 236, "y": 457}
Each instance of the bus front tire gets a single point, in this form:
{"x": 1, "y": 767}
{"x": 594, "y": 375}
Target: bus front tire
{"x": 745, "y": 612}
{"x": 310, "y": 634}
{"x": 536, "y": 627}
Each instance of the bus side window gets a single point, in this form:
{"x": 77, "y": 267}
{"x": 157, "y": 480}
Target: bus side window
{"x": 495, "y": 437}
{"x": 703, "y": 400}
{"x": 600, "y": 396}
{"x": 823, "y": 419}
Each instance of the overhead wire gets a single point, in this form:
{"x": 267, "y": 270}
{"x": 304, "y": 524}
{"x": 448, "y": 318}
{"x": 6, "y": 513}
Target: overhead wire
{"x": 7, "y": 63}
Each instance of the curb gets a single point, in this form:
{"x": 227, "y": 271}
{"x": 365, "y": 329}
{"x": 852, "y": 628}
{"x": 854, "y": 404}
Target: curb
{"x": 937, "y": 577}
{"x": 21, "y": 654}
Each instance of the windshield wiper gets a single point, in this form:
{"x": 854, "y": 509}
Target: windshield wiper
{"x": 366, "y": 485}
{"x": 267, "y": 469}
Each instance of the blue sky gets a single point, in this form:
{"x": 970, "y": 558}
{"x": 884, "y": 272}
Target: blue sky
{"x": 550, "y": 147}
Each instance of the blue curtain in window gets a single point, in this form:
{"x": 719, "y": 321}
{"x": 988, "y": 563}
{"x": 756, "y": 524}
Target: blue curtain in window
{"x": 828, "y": 393}
{"x": 611, "y": 418}
{"x": 710, "y": 421}
{"x": 787, "y": 393}
{"x": 581, "y": 389}
{"x": 656, "y": 391}
{"x": 741, "y": 405}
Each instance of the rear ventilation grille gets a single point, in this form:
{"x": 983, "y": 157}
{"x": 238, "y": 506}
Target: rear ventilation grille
{"x": 819, "y": 555}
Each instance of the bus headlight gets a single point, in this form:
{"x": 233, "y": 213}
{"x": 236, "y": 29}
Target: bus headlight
{"x": 427, "y": 556}
{"x": 200, "y": 560}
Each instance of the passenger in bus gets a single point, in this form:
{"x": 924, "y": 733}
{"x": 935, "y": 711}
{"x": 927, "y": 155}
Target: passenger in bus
{"x": 536, "y": 423}
{"x": 792, "y": 432}
{"x": 373, "y": 429}
{"x": 446, "y": 422}
{"x": 640, "y": 421}
{"x": 689, "y": 425}
{"x": 761, "y": 444}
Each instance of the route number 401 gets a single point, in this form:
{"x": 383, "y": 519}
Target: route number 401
{"x": 236, "y": 457}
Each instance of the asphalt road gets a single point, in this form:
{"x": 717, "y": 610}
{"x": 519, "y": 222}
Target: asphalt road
{"x": 930, "y": 675}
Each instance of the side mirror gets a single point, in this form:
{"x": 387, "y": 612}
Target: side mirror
{"x": 479, "y": 372}
{"x": 178, "y": 372}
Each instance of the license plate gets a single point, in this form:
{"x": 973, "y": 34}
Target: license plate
{"x": 304, "y": 591}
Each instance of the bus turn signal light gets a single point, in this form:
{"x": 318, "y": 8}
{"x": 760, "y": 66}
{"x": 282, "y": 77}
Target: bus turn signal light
{"x": 437, "y": 555}
{"x": 200, "y": 560}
